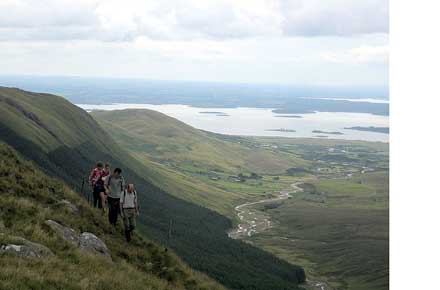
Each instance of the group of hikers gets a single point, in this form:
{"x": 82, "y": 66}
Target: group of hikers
{"x": 111, "y": 192}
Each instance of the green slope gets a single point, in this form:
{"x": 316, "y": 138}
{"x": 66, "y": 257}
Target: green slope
{"x": 29, "y": 198}
{"x": 187, "y": 158}
{"x": 65, "y": 142}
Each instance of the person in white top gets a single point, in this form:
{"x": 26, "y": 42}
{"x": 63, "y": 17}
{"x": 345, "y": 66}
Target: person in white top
{"x": 129, "y": 209}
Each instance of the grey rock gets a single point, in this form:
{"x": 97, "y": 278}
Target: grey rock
{"x": 65, "y": 233}
{"x": 88, "y": 242}
{"x": 25, "y": 248}
{"x": 70, "y": 206}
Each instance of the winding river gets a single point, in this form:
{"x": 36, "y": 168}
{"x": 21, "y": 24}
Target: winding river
{"x": 254, "y": 221}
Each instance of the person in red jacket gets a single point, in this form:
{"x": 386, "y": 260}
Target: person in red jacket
{"x": 97, "y": 186}
{"x": 103, "y": 194}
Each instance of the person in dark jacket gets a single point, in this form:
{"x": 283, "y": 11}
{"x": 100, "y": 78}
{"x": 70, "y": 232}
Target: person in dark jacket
{"x": 114, "y": 187}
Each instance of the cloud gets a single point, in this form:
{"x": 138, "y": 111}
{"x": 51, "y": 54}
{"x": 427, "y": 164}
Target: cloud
{"x": 116, "y": 20}
{"x": 362, "y": 55}
{"x": 334, "y": 17}
{"x": 47, "y": 13}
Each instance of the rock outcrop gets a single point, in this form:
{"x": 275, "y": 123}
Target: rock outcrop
{"x": 65, "y": 233}
{"x": 87, "y": 242}
{"x": 24, "y": 248}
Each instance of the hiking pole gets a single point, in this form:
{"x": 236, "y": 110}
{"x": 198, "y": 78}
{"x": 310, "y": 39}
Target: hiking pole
{"x": 82, "y": 186}
{"x": 169, "y": 230}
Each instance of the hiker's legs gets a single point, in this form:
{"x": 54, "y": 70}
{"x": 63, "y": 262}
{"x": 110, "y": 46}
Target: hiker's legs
{"x": 103, "y": 197}
{"x": 129, "y": 222}
{"x": 129, "y": 219}
{"x": 113, "y": 212}
{"x": 127, "y": 225}
{"x": 126, "y": 219}
{"x": 132, "y": 220}
{"x": 95, "y": 196}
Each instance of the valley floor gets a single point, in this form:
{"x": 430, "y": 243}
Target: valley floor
{"x": 341, "y": 246}
{"x": 335, "y": 225}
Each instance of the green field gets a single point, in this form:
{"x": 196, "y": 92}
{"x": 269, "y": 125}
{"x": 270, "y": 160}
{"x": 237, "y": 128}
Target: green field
{"x": 338, "y": 231}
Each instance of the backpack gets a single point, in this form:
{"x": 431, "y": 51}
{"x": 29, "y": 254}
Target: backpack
{"x": 135, "y": 195}
{"x": 134, "y": 192}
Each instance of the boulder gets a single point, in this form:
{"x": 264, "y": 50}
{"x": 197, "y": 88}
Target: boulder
{"x": 24, "y": 248}
{"x": 90, "y": 243}
{"x": 65, "y": 233}
{"x": 87, "y": 242}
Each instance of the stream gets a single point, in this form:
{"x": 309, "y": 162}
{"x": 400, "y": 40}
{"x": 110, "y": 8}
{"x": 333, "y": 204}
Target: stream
{"x": 254, "y": 221}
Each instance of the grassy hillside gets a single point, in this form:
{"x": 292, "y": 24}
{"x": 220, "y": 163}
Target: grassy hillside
{"x": 65, "y": 142}
{"x": 29, "y": 198}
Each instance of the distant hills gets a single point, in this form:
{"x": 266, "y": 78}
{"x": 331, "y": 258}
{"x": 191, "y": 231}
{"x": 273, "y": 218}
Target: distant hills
{"x": 289, "y": 99}
{"x": 65, "y": 142}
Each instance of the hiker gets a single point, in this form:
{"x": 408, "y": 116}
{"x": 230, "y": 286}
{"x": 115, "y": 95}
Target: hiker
{"x": 103, "y": 194}
{"x": 129, "y": 210}
{"x": 97, "y": 186}
{"x": 114, "y": 187}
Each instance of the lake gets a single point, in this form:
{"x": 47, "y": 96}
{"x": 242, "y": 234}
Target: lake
{"x": 263, "y": 122}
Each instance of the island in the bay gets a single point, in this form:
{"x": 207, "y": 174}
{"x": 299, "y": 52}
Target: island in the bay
{"x": 326, "y": 132}
{"x": 385, "y": 130}
{"x": 218, "y": 114}
{"x": 281, "y": 130}
{"x": 288, "y": 116}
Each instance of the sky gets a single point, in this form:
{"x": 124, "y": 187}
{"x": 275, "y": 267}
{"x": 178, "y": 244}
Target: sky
{"x": 307, "y": 42}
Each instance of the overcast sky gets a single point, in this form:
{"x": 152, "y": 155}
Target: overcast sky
{"x": 272, "y": 41}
